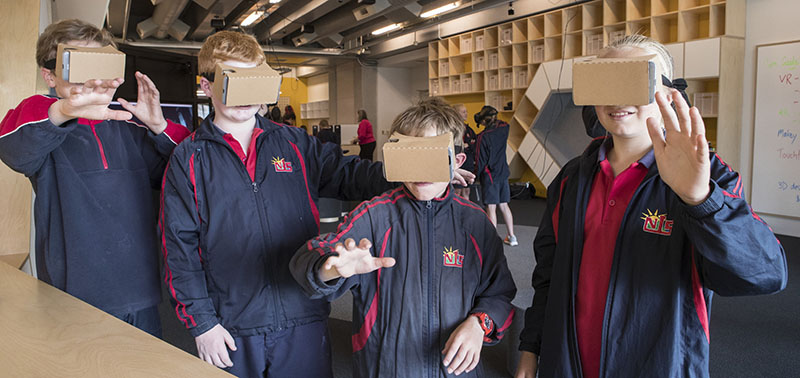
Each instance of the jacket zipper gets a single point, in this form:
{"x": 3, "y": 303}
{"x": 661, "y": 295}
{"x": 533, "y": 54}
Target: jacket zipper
{"x": 428, "y": 210}
{"x": 612, "y": 283}
{"x": 100, "y": 147}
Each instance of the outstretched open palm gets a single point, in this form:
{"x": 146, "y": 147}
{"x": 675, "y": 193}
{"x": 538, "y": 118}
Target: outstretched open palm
{"x": 91, "y": 101}
{"x": 682, "y": 151}
{"x": 356, "y": 259}
{"x": 148, "y": 104}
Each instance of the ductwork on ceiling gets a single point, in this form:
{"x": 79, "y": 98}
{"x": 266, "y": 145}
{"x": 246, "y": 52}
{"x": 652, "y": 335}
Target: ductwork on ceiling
{"x": 165, "y": 21}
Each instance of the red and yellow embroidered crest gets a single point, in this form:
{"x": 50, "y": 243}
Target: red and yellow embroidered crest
{"x": 281, "y": 165}
{"x": 656, "y": 223}
{"x": 453, "y": 258}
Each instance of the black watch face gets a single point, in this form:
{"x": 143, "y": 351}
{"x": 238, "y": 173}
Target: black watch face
{"x": 487, "y": 323}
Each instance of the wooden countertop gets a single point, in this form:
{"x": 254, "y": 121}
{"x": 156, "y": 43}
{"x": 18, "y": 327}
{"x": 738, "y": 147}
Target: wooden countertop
{"x": 45, "y": 332}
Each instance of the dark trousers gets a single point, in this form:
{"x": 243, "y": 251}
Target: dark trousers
{"x": 147, "y": 320}
{"x": 367, "y": 150}
{"x": 302, "y": 351}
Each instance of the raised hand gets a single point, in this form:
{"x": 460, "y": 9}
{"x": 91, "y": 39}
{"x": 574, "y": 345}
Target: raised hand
{"x": 681, "y": 154}
{"x": 462, "y": 351}
{"x": 212, "y": 346}
{"x": 148, "y": 104}
{"x": 462, "y": 177}
{"x": 89, "y": 101}
{"x": 353, "y": 259}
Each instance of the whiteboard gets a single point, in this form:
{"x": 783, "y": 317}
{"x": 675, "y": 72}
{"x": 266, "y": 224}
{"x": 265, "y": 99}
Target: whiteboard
{"x": 776, "y": 145}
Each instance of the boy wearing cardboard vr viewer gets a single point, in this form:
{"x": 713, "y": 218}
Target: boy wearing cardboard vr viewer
{"x": 639, "y": 233}
{"x": 428, "y": 275}
{"x": 93, "y": 172}
{"x": 239, "y": 198}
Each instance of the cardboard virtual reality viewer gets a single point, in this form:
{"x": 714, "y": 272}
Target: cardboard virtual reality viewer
{"x": 615, "y": 81}
{"x": 77, "y": 64}
{"x": 236, "y": 86}
{"x": 419, "y": 159}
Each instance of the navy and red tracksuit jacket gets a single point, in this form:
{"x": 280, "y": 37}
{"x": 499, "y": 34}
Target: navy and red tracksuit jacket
{"x": 669, "y": 260}
{"x": 229, "y": 230}
{"x": 95, "y": 211}
{"x": 450, "y": 263}
{"x": 490, "y": 154}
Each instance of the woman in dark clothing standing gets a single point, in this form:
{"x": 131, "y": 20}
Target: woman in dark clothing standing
{"x": 365, "y": 138}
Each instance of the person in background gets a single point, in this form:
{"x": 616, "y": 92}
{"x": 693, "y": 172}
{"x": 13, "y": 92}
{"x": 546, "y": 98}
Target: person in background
{"x": 491, "y": 165}
{"x": 639, "y": 233}
{"x": 275, "y": 114}
{"x": 326, "y": 134}
{"x": 289, "y": 118}
{"x": 470, "y": 137}
{"x": 365, "y": 138}
{"x": 93, "y": 172}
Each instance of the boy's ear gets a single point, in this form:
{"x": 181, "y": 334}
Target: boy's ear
{"x": 460, "y": 159}
{"x": 206, "y": 85}
{"x": 49, "y": 77}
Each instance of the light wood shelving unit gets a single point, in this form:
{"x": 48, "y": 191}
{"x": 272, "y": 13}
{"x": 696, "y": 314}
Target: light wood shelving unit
{"x": 502, "y": 61}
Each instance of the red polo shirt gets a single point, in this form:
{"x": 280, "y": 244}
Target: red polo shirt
{"x": 607, "y": 203}
{"x": 248, "y": 159}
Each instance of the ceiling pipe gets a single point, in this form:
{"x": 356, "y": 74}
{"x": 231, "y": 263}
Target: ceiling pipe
{"x": 165, "y": 21}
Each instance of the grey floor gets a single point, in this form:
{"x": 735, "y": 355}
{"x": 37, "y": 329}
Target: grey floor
{"x": 750, "y": 336}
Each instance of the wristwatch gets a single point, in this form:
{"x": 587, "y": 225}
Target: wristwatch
{"x": 485, "y": 321}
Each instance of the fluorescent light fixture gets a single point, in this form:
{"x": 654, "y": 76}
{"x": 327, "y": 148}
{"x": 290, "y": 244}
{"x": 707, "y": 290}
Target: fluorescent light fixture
{"x": 252, "y": 18}
{"x": 440, "y": 10}
{"x": 385, "y": 29}
{"x": 274, "y": 1}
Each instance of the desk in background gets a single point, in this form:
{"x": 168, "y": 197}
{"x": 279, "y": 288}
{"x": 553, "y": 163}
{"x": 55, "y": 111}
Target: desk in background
{"x": 45, "y": 332}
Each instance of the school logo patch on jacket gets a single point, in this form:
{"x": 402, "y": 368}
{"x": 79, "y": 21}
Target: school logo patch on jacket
{"x": 656, "y": 223}
{"x": 452, "y": 258}
{"x": 281, "y": 165}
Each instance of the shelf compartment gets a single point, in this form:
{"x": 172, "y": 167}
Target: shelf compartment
{"x": 443, "y": 49}
{"x": 453, "y": 46}
{"x": 490, "y": 37}
{"x": 552, "y": 48}
{"x": 572, "y": 18}
{"x": 613, "y": 32}
{"x": 434, "y": 88}
{"x": 499, "y": 100}
{"x": 717, "y": 21}
{"x": 639, "y": 27}
{"x": 689, "y": 4}
{"x": 444, "y": 88}
{"x": 535, "y": 27}
{"x": 479, "y": 61}
{"x": 506, "y": 34}
{"x": 506, "y": 77}
{"x": 638, "y": 9}
{"x": 532, "y": 68}
{"x": 665, "y": 28}
{"x": 478, "y": 41}
{"x": 573, "y": 45}
{"x": 520, "y": 31}
{"x": 520, "y": 54}
{"x": 536, "y": 51}
{"x": 466, "y": 44}
{"x": 521, "y": 77}
{"x": 592, "y": 41}
{"x": 478, "y": 84}
{"x": 526, "y": 113}
{"x": 505, "y": 56}
{"x": 552, "y": 24}
{"x": 660, "y": 7}
{"x": 492, "y": 59}
{"x": 694, "y": 24}
{"x": 593, "y": 14}
{"x": 460, "y": 64}
{"x": 613, "y": 11}
{"x": 433, "y": 50}
{"x": 433, "y": 69}
{"x": 492, "y": 81}
{"x": 444, "y": 67}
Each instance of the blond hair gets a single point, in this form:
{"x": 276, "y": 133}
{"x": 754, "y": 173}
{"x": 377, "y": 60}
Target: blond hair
{"x": 228, "y": 45}
{"x": 65, "y": 31}
{"x": 432, "y": 112}
{"x": 651, "y": 46}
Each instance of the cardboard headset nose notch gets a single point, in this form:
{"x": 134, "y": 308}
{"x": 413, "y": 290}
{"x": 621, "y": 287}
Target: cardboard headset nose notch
{"x": 419, "y": 159}
{"x": 76, "y": 64}
{"x": 236, "y": 86}
{"x": 616, "y": 81}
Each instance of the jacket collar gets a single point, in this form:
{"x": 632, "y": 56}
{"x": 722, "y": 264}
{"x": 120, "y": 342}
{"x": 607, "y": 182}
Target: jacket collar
{"x": 436, "y": 203}
{"x": 208, "y": 130}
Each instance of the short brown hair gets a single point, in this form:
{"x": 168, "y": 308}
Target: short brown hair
{"x": 228, "y": 45}
{"x": 65, "y": 31}
{"x": 432, "y": 112}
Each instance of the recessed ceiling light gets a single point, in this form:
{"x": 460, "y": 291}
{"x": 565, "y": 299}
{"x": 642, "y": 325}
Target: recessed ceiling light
{"x": 386, "y": 29}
